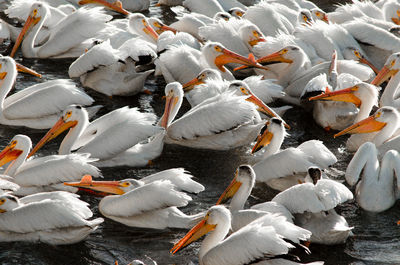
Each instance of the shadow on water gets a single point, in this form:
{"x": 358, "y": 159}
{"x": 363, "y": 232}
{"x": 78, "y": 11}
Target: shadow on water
{"x": 376, "y": 236}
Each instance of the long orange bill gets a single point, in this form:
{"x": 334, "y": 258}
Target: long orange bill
{"x": 9, "y": 154}
{"x": 170, "y": 103}
{"x": 231, "y": 57}
{"x": 116, "y": 6}
{"x": 264, "y": 108}
{"x": 256, "y": 41}
{"x": 30, "y": 22}
{"x": 150, "y": 31}
{"x": 384, "y": 74}
{"x": 195, "y": 233}
{"x": 263, "y": 139}
{"x": 168, "y": 28}
{"x": 56, "y": 130}
{"x": 272, "y": 58}
{"x": 230, "y": 190}
{"x": 23, "y": 69}
{"x": 365, "y": 61}
{"x": 191, "y": 84}
{"x": 107, "y": 187}
{"x": 345, "y": 95}
{"x": 365, "y": 126}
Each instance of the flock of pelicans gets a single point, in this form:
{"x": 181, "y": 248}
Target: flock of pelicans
{"x": 229, "y": 59}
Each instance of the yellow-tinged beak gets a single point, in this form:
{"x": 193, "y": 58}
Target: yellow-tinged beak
{"x": 150, "y": 31}
{"x": 107, "y": 187}
{"x": 163, "y": 28}
{"x": 195, "y": 233}
{"x": 228, "y": 56}
{"x": 256, "y": 41}
{"x": 23, "y": 69}
{"x": 170, "y": 103}
{"x": 384, "y": 74}
{"x": 345, "y": 95}
{"x": 56, "y": 130}
{"x": 396, "y": 20}
{"x": 30, "y": 22}
{"x": 264, "y": 108}
{"x": 191, "y": 84}
{"x": 367, "y": 125}
{"x": 263, "y": 139}
{"x": 116, "y": 6}
{"x": 230, "y": 190}
{"x": 276, "y": 57}
{"x": 365, "y": 61}
{"x": 9, "y": 154}
{"x": 3, "y": 75}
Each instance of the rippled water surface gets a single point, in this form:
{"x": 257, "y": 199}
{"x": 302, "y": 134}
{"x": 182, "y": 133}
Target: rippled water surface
{"x": 376, "y": 236}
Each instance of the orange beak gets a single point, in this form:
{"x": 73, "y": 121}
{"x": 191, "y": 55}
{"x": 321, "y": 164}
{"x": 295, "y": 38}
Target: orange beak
{"x": 396, "y": 20}
{"x": 384, "y": 74}
{"x": 170, "y": 103}
{"x": 166, "y": 28}
{"x": 272, "y": 58}
{"x": 228, "y": 56}
{"x": 116, "y": 6}
{"x": 256, "y": 41}
{"x": 23, "y": 69}
{"x": 56, "y": 130}
{"x": 195, "y": 233}
{"x": 230, "y": 190}
{"x": 325, "y": 18}
{"x": 150, "y": 31}
{"x": 30, "y": 22}
{"x": 9, "y": 154}
{"x": 365, "y": 61}
{"x": 191, "y": 84}
{"x": 263, "y": 139}
{"x": 367, "y": 125}
{"x": 107, "y": 187}
{"x": 345, "y": 95}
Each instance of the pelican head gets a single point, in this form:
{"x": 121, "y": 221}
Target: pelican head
{"x": 222, "y": 16}
{"x": 236, "y": 12}
{"x": 201, "y": 78}
{"x": 391, "y": 67}
{"x": 138, "y": 22}
{"x": 251, "y": 35}
{"x": 317, "y": 13}
{"x": 158, "y": 26}
{"x": 38, "y": 12}
{"x": 355, "y": 94}
{"x": 8, "y": 202}
{"x": 217, "y": 215}
{"x": 68, "y": 120}
{"x": 244, "y": 175}
{"x": 105, "y": 188}
{"x": 305, "y": 17}
{"x": 217, "y": 55}
{"x": 173, "y": 101}
{"x": 391, "y": 12}
{"x": 7, "y": 67}
{"x": 272, "y": 127}
{"x": 373, "y": 123}
{"x": 286, "y": 55}
{"x": 115, "y": 6}
{"x": 314, "y": 173}
{"x": 18, "y": 144}
{"x": 352, "y": 53}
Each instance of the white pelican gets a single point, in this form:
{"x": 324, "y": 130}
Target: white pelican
{"x": 6, "y": 184}
{"x": 56, "y": 218}
{"x": 258, "y": 242}
{"x": 65, "y": 39}
{"x": 37, "y": 106}
{"x": 120, "y": 6}
{"x": 348, "y": 12}
{"x": 377, "y": 183}
{"x": 219, "y": 123}
{"x": 281, "y": 169}
{"x": 116, "y": 138}
{"x": 150, "y": 202}
{"x": 379, "y": 128}
{"x": 44, "y": 173}
{"x": 111, "y": 71}
{"x": 313, "y": 207}
{"x": 205, "y": 7}
{"x": 182, "y": 63}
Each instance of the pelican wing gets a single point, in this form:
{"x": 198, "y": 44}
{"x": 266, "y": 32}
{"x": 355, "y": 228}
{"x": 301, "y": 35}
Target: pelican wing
{"x": 366, "y": 153}
{"x": 319, "y": 153}
{"x": 273, "y": 207}
{"x": 288, "y": 162}
{"x": 154, "y": 196}
{"x": 73, "y": 30}
{"x": 252, "y": 242}
{"x": 265, "y": 89}
{"x": 213, "y": 116}
{"x": 136, "y": 47}
{"x": 44, "y": 100}
{"x": 178, "y": 177}
{"x": 99, "y": 55}
{"x": 208, "y": 8}
{"x": 323, "y": 196}
{"x": 44, "y": 215}
{"x": 55, "y": 169}
{"x": 6, "y": 184}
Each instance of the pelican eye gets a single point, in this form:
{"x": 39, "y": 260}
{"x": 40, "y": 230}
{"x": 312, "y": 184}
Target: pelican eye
{"x": 284, "y": 51}
{"x": 156, "y": 24}
{"x": 244, "y": 90}
{"x": 34, "y": 12}
{"x": 144, "y": 22}
{"x": 239, "y": 14}
{"x": 218, "y": 48}
{"x": 377, "y": 115}
{"x": 67, "y": 115}
{"x": 256, "y": 34}
{"x": 2, "y": 201}
{"x": 305, "y": 18}
{"x": 125, "y": 184}
{"x": 13, "y": 144}
{"x": 202, "y": 76}
{"x": 318, "y": 14}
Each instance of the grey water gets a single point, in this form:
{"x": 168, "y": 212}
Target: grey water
{"x": 376, "y": 238}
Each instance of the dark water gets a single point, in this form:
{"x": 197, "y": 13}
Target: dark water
{"x": 376, "y": 236}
